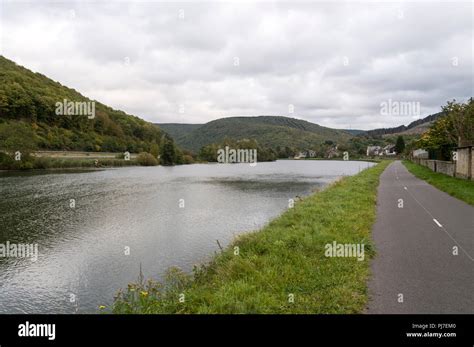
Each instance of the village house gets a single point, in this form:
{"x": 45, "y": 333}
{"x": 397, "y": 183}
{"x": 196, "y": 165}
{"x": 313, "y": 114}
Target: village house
{"x": 301, "y": 155}
{"x": 389, "y": 150}
{"x": 420, "y": 153}
{"x": 332, "y": 152}
{"x": 374, "y": 150}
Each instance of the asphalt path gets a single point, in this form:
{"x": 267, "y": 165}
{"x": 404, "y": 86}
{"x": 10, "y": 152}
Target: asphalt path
{"x": 424, "y": 241}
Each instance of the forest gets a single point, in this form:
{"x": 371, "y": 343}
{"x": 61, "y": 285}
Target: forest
{"x": 29, "y": 121}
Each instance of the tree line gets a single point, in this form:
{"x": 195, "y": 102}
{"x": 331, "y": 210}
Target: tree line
{"x": 454, "y": 129}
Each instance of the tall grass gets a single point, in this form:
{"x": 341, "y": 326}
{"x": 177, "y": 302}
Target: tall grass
{"x": 49, "y": 163}
{"x": 31, "y": 162}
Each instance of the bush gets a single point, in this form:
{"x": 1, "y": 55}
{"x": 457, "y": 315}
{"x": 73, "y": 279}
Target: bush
{"x": 147, "y": 159}
{"x": 42, "y": 163}
{"x": 7, "y": 162}
{"x": 188, "y": 159}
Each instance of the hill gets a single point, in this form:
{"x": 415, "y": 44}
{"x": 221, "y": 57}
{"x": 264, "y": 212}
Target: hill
{"x": 354, "y": 131}
{"x": 268, "y": 131}
{"x": 414, "y": 128}
{"x": 177, "y": 130}
{"x": 29, "y": 118}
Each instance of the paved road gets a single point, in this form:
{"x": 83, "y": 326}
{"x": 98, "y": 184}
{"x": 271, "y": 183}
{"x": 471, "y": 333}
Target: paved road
{"x": 415, "y": 248}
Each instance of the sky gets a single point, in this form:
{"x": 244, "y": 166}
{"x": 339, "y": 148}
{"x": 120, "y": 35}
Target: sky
{"x": 337, "y": 64}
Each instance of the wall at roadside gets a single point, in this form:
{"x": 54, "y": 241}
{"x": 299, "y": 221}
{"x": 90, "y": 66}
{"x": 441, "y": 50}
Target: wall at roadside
{"x": 462, "y": 167}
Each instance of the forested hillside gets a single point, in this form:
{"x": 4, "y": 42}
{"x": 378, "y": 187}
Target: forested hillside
{"x": 268, "y": 131}
{"x": 28, "y": 118}
{"x": 178, "y": 130}
{"x": 416, "y": 127}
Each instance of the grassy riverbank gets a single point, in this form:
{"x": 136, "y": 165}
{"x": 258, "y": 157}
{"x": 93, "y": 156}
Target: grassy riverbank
{"x": 74, "y": 160}
{"x": 459, "y": 188}
{"x": 281, "y": 268}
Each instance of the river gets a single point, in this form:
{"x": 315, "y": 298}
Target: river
{"x": 94, "y": 229}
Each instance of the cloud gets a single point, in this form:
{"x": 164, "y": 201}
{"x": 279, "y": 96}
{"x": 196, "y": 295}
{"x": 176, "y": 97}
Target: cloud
{"x": 334, "y": 62}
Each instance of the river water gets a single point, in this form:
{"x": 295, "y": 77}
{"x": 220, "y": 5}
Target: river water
{"x": 94, "y": 229}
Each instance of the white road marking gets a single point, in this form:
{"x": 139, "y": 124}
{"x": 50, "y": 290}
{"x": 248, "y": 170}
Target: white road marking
{"x": 444, "y": 229}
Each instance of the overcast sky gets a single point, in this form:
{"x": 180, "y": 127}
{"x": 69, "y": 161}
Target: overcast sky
{"x": 193, "y": 62}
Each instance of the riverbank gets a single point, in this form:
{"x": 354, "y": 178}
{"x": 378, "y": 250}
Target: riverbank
{"x": 459, "y": 188}
{"x": 75, "y": 160}
{"x": 42, "y": 160}
{"x": 282, "y": 268}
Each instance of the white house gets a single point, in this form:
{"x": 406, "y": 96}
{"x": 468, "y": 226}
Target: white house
{"x": 389, "y": 150}
{"x": 300, "y": 155}
{"x": 374, "y": 150}
{"x": 420, "y": 153}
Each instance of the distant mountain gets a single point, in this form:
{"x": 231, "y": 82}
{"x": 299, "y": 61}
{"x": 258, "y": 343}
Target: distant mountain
{"x": 414, "y": 128}
{"x": 269, "y": 131}
{"x": 29, "y": 117}
{"x": 354, "y": 131}
{"x": 177, "y": 130}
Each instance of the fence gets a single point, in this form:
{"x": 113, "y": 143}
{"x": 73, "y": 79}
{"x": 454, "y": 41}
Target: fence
{"x": 462, "y": 167}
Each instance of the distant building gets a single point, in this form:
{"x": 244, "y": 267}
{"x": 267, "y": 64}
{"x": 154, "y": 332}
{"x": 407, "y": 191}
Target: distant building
{"x": 389, "y": 150}
{"x": 374, "y": 150}
{"x": 420, "y": 153}
{"x": 332, "y": 152}
{"x": 301, "y": 155}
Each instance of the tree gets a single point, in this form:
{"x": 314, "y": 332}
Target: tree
{"x": 461, "y": 118}
{"x": 456, "y": 128}
{"x": 208, "y": 153}
{"x": 17, "y": 136}
{"x": 168, "y": 151}
{"x": 155, "y": 150}
{"x": 400, "y": 145}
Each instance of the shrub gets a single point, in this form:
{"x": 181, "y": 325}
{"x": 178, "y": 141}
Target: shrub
{"x": 42, "y": 163}
{"x": 7, "y": 162}
{"x": 147, "y": 159}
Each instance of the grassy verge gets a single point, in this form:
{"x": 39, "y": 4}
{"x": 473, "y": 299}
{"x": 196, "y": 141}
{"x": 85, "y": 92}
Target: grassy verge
{"x": 373, "y": 160}
{"x": 261, "y": 272}
{"x": 459, "y": 188}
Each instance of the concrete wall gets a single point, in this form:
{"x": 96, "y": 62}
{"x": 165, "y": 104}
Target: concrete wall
{"x": 446, "y": 167}
{"x": 431, "y": 164}
{"x": 421, "y": 161}
{"x": 472, "y": 163}
{"x": 463, "y": 167}
{"x": 464, "y": 162}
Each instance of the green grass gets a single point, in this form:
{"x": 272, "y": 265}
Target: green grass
{"x": 29, "y": 162}
{"x": 55, "y": 163}
{"x": 285, "y": 257}
{"x": 459, "y": 188}
{"x": 373, "y": 159}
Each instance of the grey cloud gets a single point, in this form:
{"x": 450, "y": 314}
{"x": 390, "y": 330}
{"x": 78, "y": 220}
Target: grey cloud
{"x": 335, "y": 62}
